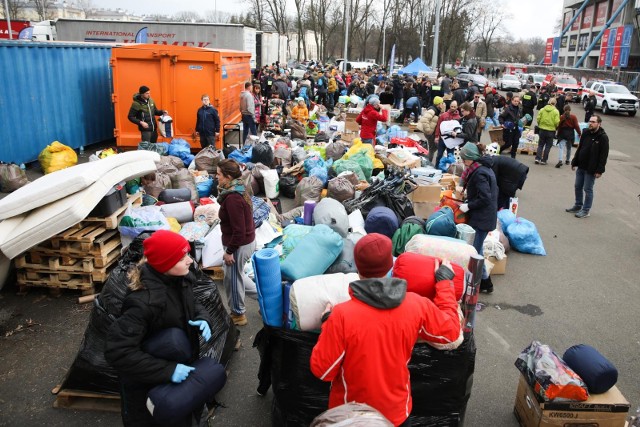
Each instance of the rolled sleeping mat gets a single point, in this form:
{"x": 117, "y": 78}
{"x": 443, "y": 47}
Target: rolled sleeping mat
{"x": 266, "y": 268}
{"x": 182, "y": 211}
{"x": 597, "y": 372}
{"x": 170, "y": 404}
{"x": 175, "y": 195}
{"x": 169, "y": 344}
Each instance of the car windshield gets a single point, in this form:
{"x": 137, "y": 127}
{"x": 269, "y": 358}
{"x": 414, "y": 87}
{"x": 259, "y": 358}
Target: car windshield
{"x": 616, "y": 89}
{"x": 509, "y": 77}
{"x": 566, "y": 80}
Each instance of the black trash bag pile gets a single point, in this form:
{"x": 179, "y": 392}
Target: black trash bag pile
{"x": 440, "y": 380}
{"x": 90, "y": 371}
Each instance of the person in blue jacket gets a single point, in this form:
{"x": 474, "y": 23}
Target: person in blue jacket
{"x": 479, "y": 182}
{"x": 207, "y": 123}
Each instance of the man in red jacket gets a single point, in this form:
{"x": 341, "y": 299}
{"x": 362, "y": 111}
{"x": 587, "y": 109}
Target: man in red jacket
{"x": 366, "y": 343}
{"x": 368, "y": 120}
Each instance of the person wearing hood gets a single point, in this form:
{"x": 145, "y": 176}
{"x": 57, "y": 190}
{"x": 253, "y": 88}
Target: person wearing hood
{"x": 142, "y": 113}
{"x": 479, "y": 183}
{"x": 366, "y": 342}
{"x": 368, "y": 119}
{"x": 548, "y": 121}
{"x": 509, "y": 118}
{"x": 159, "y": 300}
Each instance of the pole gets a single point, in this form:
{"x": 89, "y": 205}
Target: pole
{"x": 6, "y": 12}
{"x": 436, "y": 36}
{"x": 422, "y": 35}
{"x": 346, "y": 33}
{"x": 384, "y": 39}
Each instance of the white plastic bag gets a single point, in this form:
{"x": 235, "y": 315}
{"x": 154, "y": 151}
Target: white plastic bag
{"x": 137, "y": 220}
{"x": 271, "y": 183}
{"x": 213, "y": 251}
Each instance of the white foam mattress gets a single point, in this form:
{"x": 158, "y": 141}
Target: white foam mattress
{"x": 19, "y": 233}
{"x": 62, "y": 183}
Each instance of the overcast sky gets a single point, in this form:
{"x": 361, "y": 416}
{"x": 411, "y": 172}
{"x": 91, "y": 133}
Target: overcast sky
{"x": 529, "y": 18}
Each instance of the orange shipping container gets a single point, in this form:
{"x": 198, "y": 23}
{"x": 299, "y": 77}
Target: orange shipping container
{"x": 178, "y": 76}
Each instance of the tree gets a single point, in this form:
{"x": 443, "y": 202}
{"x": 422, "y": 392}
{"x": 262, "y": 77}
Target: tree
{"x": 219, "y": 17}
{"x": 86, "y": 6}
{"x": 15, "y": 8}
{"x": 489, "y": 23}
{"x": 257, "y": 13}
{"x": 187, "y": 16}
{"x": 300, "y": 6}
{"x": 43, "y": 8}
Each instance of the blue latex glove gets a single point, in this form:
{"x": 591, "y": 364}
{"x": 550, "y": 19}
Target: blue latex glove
{"x": 181, "y": 373}
{"x": 205, "y": 330}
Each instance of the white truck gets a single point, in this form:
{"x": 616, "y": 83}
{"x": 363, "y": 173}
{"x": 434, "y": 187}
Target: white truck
{"x": 219, "y": 36}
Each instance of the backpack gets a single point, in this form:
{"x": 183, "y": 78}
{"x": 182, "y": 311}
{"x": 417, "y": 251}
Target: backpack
{"x": 320, "y": 82}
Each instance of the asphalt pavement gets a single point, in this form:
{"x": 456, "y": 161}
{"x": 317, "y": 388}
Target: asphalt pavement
{"x": 585, "y": 290}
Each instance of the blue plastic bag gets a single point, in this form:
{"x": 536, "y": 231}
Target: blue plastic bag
{"x": 524, "y": 237}
{"x": 313, "y": 161}
{"x": 320, "y": 173}
{"x": 181, "y": 149}
{"x": 204, "y": 187}
{"x": 243, "y": 155}
{"x": 506, "y": 218}
{"x": 445, "y": 162}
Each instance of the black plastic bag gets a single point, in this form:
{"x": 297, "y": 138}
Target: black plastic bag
{"x": 262, "y": 153}
{"x": 288, "y": 184}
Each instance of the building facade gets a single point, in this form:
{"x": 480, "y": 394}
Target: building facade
{"x": 618, "y": 47}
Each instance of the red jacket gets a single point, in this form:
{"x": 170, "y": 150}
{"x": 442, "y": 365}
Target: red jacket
{"x": 447, "y": 115}
{"x": 366, "y": 343}
{"x": 368, "y": 121}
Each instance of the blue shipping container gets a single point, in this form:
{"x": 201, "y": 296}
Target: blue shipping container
{"x": 53, "y": 92}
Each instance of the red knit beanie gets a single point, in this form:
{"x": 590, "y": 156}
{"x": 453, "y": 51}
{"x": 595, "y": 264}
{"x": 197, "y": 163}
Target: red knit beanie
{"x": 164, "y": 249}
{"x": 372, "y": 255}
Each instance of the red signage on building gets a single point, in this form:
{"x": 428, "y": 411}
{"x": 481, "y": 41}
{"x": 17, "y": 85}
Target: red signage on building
{"x": 614, "y": 6}
{"x": 548, "y": 51}
{"x": 603, "y": 48}
{"x": 617, "y": 46}
{"x": 601, "y": 14}
{"x": 16, "y": 27}
{"x": 567, "y": 18}
{"x": 587, "y": 18}
{"x": 576, "y": 24}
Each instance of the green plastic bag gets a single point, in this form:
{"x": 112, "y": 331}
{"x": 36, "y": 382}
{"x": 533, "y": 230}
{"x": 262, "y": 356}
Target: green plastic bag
{"x": 321, "y": 150}
{"x": 403, "y": 235}
{"x": 365, "y": 162}
{"x": 350, "y": 165}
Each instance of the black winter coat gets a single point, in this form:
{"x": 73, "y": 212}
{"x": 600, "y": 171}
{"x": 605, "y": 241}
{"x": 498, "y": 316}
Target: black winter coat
{"x": 469, "y": 129}
{"x": 482, "y": 197}
{"x": 510, "y": 174}
{"x": 592, "y": 151}
{"x": 590, "y": 104}
{"x": 145, "y": 312}
{"x": 207, "y": 121}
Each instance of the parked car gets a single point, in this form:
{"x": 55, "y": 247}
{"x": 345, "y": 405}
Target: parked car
{"x": 462, "y": 69}
{"x": 566, "y": 84}
{"x": 509, "y": 81}
{"x": 533, "y": 80}
{"x": 298, "y": 71}
{"x": 611, "y": 96}
{"x": 465, "y": 79}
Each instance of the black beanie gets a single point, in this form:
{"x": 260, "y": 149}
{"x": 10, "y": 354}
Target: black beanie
{"x": 143, "y": 89}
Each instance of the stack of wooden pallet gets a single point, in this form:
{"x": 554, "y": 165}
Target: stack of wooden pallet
{"x": 78, "y": 258}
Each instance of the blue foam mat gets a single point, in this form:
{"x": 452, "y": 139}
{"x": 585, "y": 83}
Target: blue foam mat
{"x": 266, "y": 267}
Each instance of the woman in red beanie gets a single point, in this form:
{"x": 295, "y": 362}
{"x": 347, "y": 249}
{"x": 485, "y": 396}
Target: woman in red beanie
{"x": 238, "y": 237}
{"x": 160, "y": 297}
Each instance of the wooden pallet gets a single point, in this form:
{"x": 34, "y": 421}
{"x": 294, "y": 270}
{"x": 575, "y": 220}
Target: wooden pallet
{"x": 526, "y": 152}
{"x": 216, "y": 273}
{"x": 111, "y": 222}
{"x": 62, "y": 280}
{"x": 82, "y": 240}
{"x": 86, "y": 401}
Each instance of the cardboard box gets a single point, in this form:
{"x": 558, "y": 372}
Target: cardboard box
{"x": 404, "y": 159}
{"x": 424, "y": 209}
{"x": 426, "y": 193}
{"x": 350, "y": 124}
{"x": 499, "y": 266}
{"x": 608, "y": 409}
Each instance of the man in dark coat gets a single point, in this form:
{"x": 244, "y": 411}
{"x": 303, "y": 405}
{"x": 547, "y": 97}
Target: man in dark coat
{"x": 529, "y": 101}
{"x": 590, "y": 160}
{"x": 590, "y": 105}
{"x": 207, "y": 123}
{"x": 142, "y": 113}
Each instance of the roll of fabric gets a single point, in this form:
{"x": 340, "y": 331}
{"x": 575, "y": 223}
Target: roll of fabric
{"x": 182, "y": 211}
{"x": 266, "y": 268}
{"x": 309, "y": 207}
{"x": 597, "y": 372}
{"x": 175, "y": 195}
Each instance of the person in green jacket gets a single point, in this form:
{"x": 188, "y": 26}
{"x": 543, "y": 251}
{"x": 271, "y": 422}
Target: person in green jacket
{"x": 548, "y": 121}
{"x": 142, "y": 113}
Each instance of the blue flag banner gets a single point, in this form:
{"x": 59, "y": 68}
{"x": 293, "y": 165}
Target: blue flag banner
{"x": 141, "y": 36}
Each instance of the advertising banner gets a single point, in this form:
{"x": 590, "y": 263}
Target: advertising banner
{"x": 587, "y": 17}
{"x": 548, "y": 51}
{"x": 604, "y": 42}
{"x": 556, "y": 50}
{"x": 614, "y": 6}
{"x": 601, "y": 14}
{"x": 610, "y": 45}
{"x": 573, "y": 43}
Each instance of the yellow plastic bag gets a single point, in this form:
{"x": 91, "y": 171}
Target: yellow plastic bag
{"x": 357, "y": 146}
{"x": 57, "y": 156}
{"x": 174, "y": 224}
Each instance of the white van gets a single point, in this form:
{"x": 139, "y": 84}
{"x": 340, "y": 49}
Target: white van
{"x": 352, "y": 65}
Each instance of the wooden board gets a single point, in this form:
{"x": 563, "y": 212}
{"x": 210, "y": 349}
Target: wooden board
{"x": 216, "y": 273}
{"x": 86, "y": 401}
{"x": 111, "y": 222}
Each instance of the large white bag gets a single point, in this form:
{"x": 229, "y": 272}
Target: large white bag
{"x": 309, "y": 297}
{"x": 213, "y": 251}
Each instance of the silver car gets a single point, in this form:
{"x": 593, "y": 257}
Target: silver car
{"x": 509, "y": 81}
